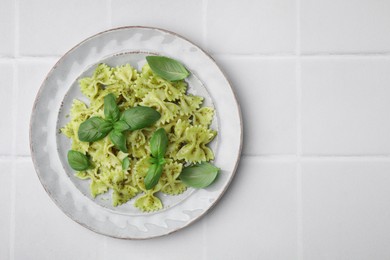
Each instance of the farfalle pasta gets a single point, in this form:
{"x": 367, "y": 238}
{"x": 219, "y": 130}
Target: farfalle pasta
{"x": 183, "y": 118}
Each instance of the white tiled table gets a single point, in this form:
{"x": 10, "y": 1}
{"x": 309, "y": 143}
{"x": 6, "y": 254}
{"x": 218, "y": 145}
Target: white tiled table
{"x": 313, "y": 80}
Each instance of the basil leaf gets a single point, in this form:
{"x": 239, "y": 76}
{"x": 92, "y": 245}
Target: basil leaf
{"x": 78, "y": 161}
{"x": 159, "y": 143}
{"x": 140, "y": 117}
{"x": 125, "y": 163}
{"x": 94, "y": 129}
{"x": 119, "y": 140}
{"x": 121, "y": 126}
{"x": 167, "y": 68}
{"x": 153, "y": 176}
{"x": 199, "y": 175}
{"x": 153, "y": 160}
{"x": 111, "y": 110}
{"x": 161, "y": 161}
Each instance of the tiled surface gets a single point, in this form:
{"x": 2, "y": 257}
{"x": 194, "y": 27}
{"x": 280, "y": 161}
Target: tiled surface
{"x": 251, "y": 26}
{"x": 180, "y": 16}
{"x": 7, "y": 28}
{"x": 262, "y": 219}
{"x": 42, "y": 230}
{"x": 349, "y": 26}
{"x": 6, "y": 106}
{"x": 188, "y": 243}
{"x": 31, "y": 74}
{"x": 50, "y": 27}
{"x": 269, "y": 102}
{"x": 346, "y": 106}
{"x": 312, "y": 78}
{"x": 6, "y": 172}
{"x": 346, "y": 210}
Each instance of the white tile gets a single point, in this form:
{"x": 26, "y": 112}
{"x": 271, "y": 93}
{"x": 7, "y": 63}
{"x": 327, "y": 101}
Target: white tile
{"x": 30, "y": 77}
{"x": 187, "y": 243}
{"x": 249, "y": 26}
{"x": 346, "y": 210}
{"x": 6, "y": 107}
{"x": 42, "y": 230}
{"x": 266, "y": 91}
{"x": 5, "y": 206}
{"x": 52, "y": 27}
{"x": 7, "y": 27}
{"x": 257, "y": 217}
{"x": 339, "y": 26}
{"x": 181, "y": 16}
{"x": 345, "y": 106}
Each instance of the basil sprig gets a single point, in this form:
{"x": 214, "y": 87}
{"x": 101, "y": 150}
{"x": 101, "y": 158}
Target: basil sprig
{"x": 159, "y": 144}
{"x": 167, "y": 68}
{"x": 78, "y": 161}
{"x": 115, "y": 123}
{"x": 94, "y": 129}
{"x": 125, "y": 163}
{"x": 111, "y": 109}
{"x": 158, "y": 147}
{"x": 119, "y": 140}
{"x": 121, "y": 126}
{"x": 140, "y": 117}
{"x": 153, "y": 176}
{"x": 199, "y": 175}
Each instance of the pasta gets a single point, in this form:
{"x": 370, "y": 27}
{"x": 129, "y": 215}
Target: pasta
{"x": 184, "y": 119}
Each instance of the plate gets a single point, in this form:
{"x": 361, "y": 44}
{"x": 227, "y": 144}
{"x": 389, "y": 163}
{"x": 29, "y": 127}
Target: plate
{"x": 49, "y": 147}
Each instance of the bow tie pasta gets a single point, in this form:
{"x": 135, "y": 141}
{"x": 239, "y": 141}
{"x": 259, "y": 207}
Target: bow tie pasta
{"x": 184, "y": 119}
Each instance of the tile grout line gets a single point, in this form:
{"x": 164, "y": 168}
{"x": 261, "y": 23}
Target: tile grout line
{"x": 109, "y": 14}
{"x": 13, "y": 164}
{"x": 30, "y": 58}
{"x": 105, "y": 245}
{"x": 346, "y": 54}
{"x": 204, "y": 238}
{"x": 299, "y": 133}
{"x": 17, "y": 29}
{"x": 204, "y": 24}
{"x": 302, "y": 56}
{"x": 22, "y": 158}
{"x": 374, "y": 158}
{"x": 12, "y": 213}
{"x": 15, "y": 109}
{"x": 273, "y": 158}
{"x": 313, "y": 157}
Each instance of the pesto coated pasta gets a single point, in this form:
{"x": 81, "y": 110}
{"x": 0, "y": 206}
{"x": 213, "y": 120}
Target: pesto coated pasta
{"x": 185, "y": 121}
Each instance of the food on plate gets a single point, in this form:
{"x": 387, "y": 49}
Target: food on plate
{"x": 141, "y": 133}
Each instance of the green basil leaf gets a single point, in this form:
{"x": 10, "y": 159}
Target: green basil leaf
{"x": 119, "y": 140}
{"x": 199, "y": 175}
{"x": 153, "y": 160}
{"x": 161, "y": 161}
{"x": 159, "y": 143}
{"x": 167, "y": 68}
{"x": 111, "y": 110}
{"x": 140, "y": 117}
{"x": 121, "y": 126}
{"x": 94, "y": 129}
{"x": 153, "y": 176}
{"x": 125, "y": 163}
{"x": 78, "y": 161}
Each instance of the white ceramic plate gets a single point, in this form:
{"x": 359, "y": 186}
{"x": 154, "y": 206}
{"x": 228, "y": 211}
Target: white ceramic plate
{"x": 49, "y": 147}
